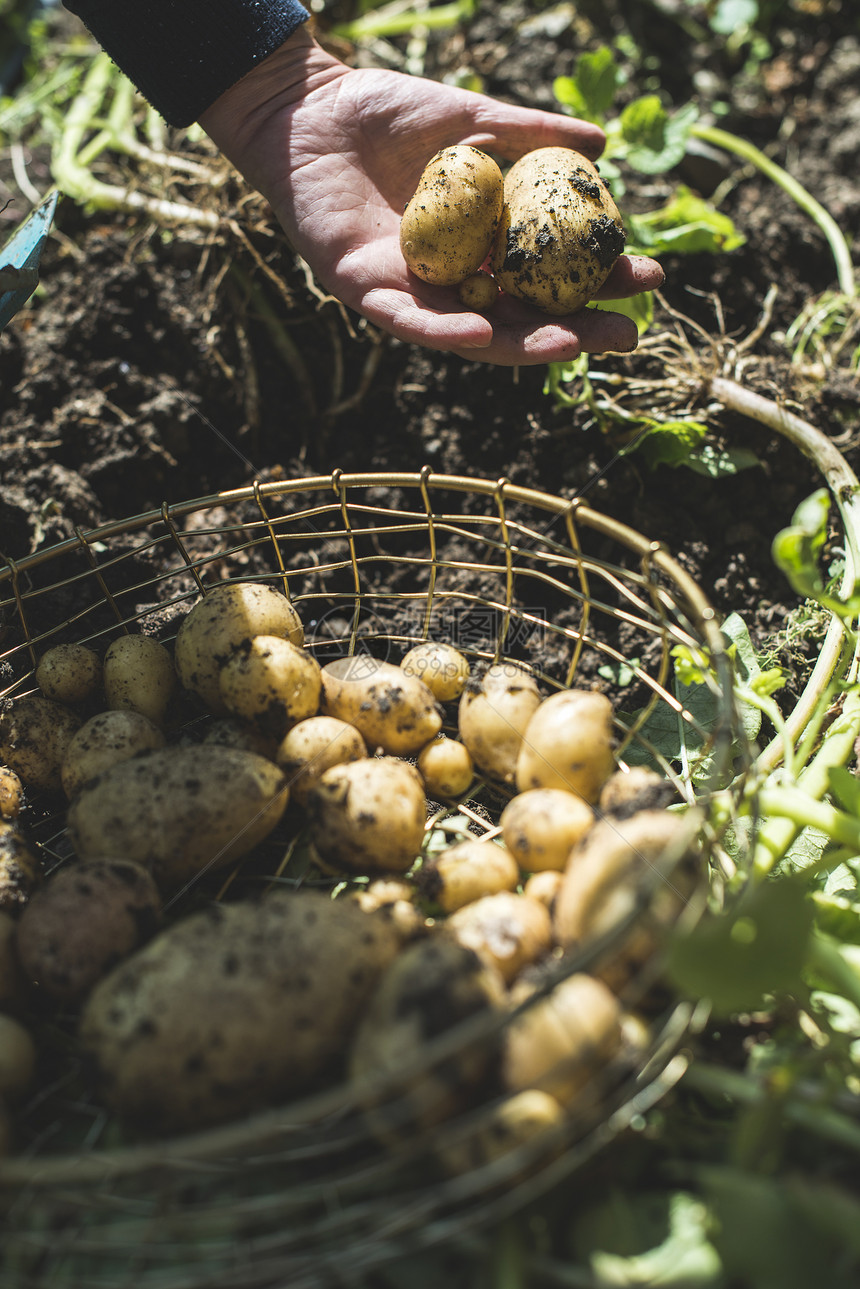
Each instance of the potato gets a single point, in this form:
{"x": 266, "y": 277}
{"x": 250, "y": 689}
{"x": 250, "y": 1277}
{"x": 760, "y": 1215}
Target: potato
{"x": 139, "y": 676}
{"x": 479, "y": 291}
{"x": 180, "y": 811}
{"x": 560, "y": 232}
{"x": 636, "y": 788}
{"x": 235, "y": 1007}
{"x": 11, "y": 794}
{"x": 568, "y": 744}
{"x": 34, "y": 736}
{"x": 313, "y": 746}
{"x": 368, "y": 816}
{"x": 541, "y": 825}
{"x": 228, "y": 731}
{"x": 390, "y": 708}
{"x": 467, "y": 871}
{"x": 433, "y": 986}
{"x": 450, "y": 222}
{"x": 560, "y": 1042}
{"x": 446, "y": 767}
{"x": 443, "y": 668}
{"x": 105, "y": 740}
{"x": 69, "y": 673}
{"x": 20, "y": 869}
{"x": 621, "y": 866}
{"x": 271, "y": 683}
{"x": 17, "y": 1058}
{"x": 225, "y": 618}
{"x": 528, "y": 1122}
{"x": 393, "y": 900}
{"x": 494, "y": 711}
{"x": 544, "y": 886}
{"x": 83, "y": 921}
{"x": 507, "y": 930}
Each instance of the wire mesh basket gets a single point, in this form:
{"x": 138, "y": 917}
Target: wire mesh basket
{"x": 303, "y": 1194}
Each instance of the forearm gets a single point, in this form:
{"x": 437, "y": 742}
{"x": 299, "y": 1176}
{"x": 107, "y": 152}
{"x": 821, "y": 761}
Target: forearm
{"x": 184, "y": 56}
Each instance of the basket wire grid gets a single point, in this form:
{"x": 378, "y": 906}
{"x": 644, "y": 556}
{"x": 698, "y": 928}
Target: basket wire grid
{"x": 301, "y": 1194}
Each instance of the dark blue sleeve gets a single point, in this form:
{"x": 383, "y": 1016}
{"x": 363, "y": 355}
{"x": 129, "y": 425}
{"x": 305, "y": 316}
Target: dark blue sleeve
{"x": 182, "y": 54}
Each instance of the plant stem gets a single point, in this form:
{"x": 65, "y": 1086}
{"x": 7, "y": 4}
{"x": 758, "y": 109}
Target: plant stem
{"x": 825, "y": 221}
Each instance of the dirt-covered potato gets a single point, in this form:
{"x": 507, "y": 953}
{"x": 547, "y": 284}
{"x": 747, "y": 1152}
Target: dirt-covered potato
{"x": 105, "y": 740}
{"x": 479, "y": 291}
{"x": 217, "y": 625}
{"x": 390, "y": 708}
{"x": 635, "y": 788}
{"x": 179, "y": 811}
{"x": 271, "y": 683}
{"x": 69, "y": 673}
{"x": 368, "y": 816}
{"x": 443, "y": 668}
{"x": 11, "y": 793}
{"x": 20, "y": 869}
{"x": 568, "y": 744}
{"x": 450, "y": 222}
{"x": 560, "y": 232}
{"x": 561, "y": 1041}
{"x": 541, "y": 826}
{"x": 544, "y": 886}
{"x": 139, "y": 676}
{"x": 234, "y": 1007}
{"x": 527, "y": 1122}
{"x": 645, "y": 863}
{"x": 13, "y": 983}
{"x": 433, "y": 986}
{"x": 17, "y": 1058}
{"x": 466, "y": 871}
{"x": 507, "y": 930}
{"x": 392, "y": 899}
{"x": 83, "y": 921}
{"x": 494, "y": 710}
{"x": 229, "y": 731}
{"x": 314, "y": 746}
{"x": 34, "y": 735}
{"x": 446, "y": 767}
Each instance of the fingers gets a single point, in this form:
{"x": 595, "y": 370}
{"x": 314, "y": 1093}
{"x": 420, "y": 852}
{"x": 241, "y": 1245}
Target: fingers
{"x": 512, "y": 131}
{"x": 630, "y": 275}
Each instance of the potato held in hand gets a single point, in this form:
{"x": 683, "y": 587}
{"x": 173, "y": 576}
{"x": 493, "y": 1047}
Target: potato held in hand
{"x": 560, "y": 233}
{"x": 448, "y": 227}
{"x": 179, "y": 811}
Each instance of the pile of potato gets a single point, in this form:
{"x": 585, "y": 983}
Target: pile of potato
{"x": 191, "y": 1019}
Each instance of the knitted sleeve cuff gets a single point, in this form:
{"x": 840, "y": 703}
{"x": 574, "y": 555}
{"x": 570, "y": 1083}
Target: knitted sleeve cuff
{"x": 182, "y": 56}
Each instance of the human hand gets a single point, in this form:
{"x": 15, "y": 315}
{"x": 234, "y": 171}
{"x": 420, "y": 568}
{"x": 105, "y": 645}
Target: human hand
{"x": 338, "y": 153}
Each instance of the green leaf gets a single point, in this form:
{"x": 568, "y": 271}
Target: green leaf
{"x": 845, "y": 787}
{"x": 737, "y": 959}
{"x": 720, "y": 463}
{"x": 671, "y": 442}
{"x": 590, "y": 92}
{"x": 687, "y": 225}
{"x": 797, "y": 551}
{"x": 638, "y": 307}
{"x": 655, "y": 140}
{"x": 650, "y": 1238}
{"x": 730, "y": 16}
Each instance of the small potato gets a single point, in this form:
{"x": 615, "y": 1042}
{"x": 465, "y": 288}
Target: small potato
{"x": 431, "y": 987}
{"x": 393, "y": 900}
{"x": 527, "y": 1122}
{"x": 217, "y": 625}
{"x": 645, "y": 863}
{"x": 541, "y": 825}
{"x": 626, "y": 791}
{"x": 271, "y": 683}
{"x": 17, "y": 1058}
{"x": 34, "y": 736}
{"x": 568, "y": 744}
{"x": 11, "y": 794}
{"x": 467, "y": 871}
{"x": 83, "y": 921}
{"x": 20, "y": 869}
{"x": 479, "y": 291}
{"x": 313, "y": 746}
{"x": 227, "y": 731}
{"x": 69, "y": 673}
{"x": 560, "y": 232}
{"x": 139, "y": 676}
{"x": 180, "y": 811}
{"x": 507, "y": 930}
{"x": 544, "y": 886}
{"x": 390, "y": 708}
{"x": 446, "y": 767}
{"x": 494, "y": 711}
{"x": 103, "y": 741}
{"x": 559, "y": 1043}
{"x": 368, "y": 816}
{"x": 449, "y": 224}
{"x": 443, "y": 668}
{"x": 13, "y": 984}
{"x": 234, "y": 1008}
